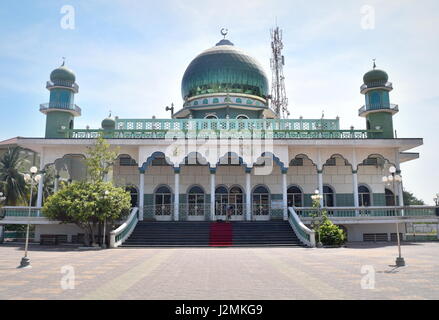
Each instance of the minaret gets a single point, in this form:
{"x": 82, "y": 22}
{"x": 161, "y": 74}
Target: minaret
{"x": 61, "y": 110}
{"x": 378, "y": 110}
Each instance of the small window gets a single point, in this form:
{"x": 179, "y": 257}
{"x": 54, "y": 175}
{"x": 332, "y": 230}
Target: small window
{"x": 215, "y": 100}
{"x": 238, "y": 100}
{"x": 249, "y": 101}
{"x": 242, "y": 117}
{"x": 195, "y": 103}
{"x": 127, "y": 162}
{"x": 211, "y": 116}
{"x": 205, "y": 101}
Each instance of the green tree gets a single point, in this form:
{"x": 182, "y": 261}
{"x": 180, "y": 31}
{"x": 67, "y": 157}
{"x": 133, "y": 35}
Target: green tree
{"x": 100, "y": 160}
{"x": 12, "y": 182}
{"x": 327, "y": 232}
{"x": 88, "y": 205}
{"x": 411, "y": 200}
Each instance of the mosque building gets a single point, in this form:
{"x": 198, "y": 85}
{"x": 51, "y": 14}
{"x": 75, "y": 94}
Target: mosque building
{"x": 226, "y": 150}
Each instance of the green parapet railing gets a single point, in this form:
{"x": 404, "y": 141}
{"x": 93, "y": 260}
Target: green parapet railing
{"x": 16, "y": 212}
{"x": 221, "y": 134}
{"x": 345, "y": 212}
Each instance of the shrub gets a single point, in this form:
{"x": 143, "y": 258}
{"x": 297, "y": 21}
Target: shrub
{"x": 330, "y": 234}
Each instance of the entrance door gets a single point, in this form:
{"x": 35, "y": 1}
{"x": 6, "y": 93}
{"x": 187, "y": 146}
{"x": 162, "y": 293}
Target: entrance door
{"x": 261, "y": 203}
{"x": 163, "y": 204}
{"x": 236, "y": 201}
{"x": 196, "y": 205}
{"x": 221, "y": 202}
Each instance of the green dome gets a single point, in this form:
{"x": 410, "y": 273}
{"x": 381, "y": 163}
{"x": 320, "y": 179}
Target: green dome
{"x": 62, "y": 74}
{"x": 375, "y": 76}
{"x": 108, "y": 124}
{"x": 222, "y": 69}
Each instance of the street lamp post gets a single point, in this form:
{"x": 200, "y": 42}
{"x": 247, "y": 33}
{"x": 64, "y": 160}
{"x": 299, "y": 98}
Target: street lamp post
{"x": 393, "y": 178}
{"x": 317, "y": 197}
{"x": 32, "y": 178}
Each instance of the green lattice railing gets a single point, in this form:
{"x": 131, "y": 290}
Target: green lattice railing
{"x": 224, "y": 128}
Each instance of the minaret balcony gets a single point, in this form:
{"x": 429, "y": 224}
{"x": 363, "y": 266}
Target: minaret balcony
{"x": 371, "y": 108}
{"x": 63, "y": 84}
{"x": 365, "y": 88}
{"x": 56, "y": 106}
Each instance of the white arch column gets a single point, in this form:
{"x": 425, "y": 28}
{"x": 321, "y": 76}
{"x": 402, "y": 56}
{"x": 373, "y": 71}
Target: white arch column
{"x": 212, "y": 193}
{"x": 40, "y": 190}
{"x": 176, "y": 193}
{"x": 141, "y": 193}
{"x": 355, "y": 187}
{"x": 248, "y": 194}
{"x": 284, "y": 193}
{"x": 320, "y": 184}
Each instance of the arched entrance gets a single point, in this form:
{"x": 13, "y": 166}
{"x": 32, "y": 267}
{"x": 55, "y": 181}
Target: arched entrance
{"x": 134, "y": 196}
{"x": 232, "y": 199}
{"x": 163, "y": 203}
{"x": 196, "y": 206}
{"x": 261, "y": 203}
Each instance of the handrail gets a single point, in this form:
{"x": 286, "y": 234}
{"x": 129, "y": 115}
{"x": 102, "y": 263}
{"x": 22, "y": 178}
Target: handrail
{"x": 306, "y": 235}
{"x": 377, "y": 211}
{"x": 118, "y": 236}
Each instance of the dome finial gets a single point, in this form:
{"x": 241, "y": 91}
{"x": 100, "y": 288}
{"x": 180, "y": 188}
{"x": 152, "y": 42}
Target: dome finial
{"x": 109, "y": 114}
{"x": 374, "y": 63}
{"x": 63, "y": 61}
{"x": 224, "y": 32}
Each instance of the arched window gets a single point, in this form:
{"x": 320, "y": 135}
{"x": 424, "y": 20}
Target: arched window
{"x": 205, "y": 101}
{"x": 163, "y": 201}
{"x": 196, "y": 201}
{"x": 236, "y": 200}
{"x": 295, "y": 197}
{"x": 364, "y": 196}
{"x": 134, "y": 196}
{"x": 211, "y": 116}
{"x": 195, "y": 103}
{"x": 221, "y": 200}
{"x": 238, "y": 100}
{"x": 390, "y": 198}
{"x": 328, "y": 197}
{"x": 215, "y": 100}
{"x": 249, "y": 101}
{"x": 242, "y": 117}
{"x": 261, "y": 201}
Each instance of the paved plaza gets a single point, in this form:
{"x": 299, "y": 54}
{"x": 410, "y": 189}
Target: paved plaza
{"x": 222, "y": 273}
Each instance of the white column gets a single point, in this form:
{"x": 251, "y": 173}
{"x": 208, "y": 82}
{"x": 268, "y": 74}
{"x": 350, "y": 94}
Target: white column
{"x": 40, "y": 191}
{"x": 141, "y": 194}
{"x": 248, "y": 195}
{"x": 284, "y": 195}
{"x": 355, "y": 187}
{"x": 320, "y": 181}
{"x": 56, "y": 186}
{"x": 400, "y": 194}
{"x": 212, "y": 194}
{"x": 176, "y": 194}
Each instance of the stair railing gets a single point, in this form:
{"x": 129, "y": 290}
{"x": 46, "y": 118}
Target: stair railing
{"x": 305, "y": 235}
{"x": 118, "y": 236}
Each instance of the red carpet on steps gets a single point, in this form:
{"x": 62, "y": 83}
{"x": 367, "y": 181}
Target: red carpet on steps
{"x": 221, "y": 234}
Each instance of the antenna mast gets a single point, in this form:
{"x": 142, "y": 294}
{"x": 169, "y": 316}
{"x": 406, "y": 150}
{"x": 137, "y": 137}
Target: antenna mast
{"x": 279, "y": 100}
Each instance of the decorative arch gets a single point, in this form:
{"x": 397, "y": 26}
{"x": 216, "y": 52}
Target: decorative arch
{"x": 301, "y": 156}
{"x": 334, "y": 157}
{"x": 151, "y": 158}
{"x": 71, "y": 164}
{"x": 196, "y": 198}
{"x": 380, "y": 163}
{"x": 197, "y": 156}
{"x": 232, "y": 155}
{"x": 274, "y": 158}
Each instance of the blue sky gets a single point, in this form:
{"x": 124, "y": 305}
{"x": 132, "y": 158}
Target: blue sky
{"x": 130, "y": 56}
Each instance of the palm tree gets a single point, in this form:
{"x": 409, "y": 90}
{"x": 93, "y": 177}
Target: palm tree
{"x": 12, "y": 181}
